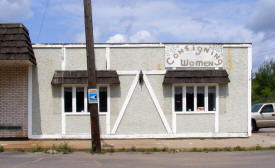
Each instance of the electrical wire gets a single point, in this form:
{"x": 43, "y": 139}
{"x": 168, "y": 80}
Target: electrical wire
{"x": 43, "y": 19}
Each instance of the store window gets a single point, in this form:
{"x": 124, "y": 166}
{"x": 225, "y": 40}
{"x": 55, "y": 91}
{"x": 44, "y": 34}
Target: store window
{"x": 195, "y": 98}
{"x": 68, "y": 96}
{"x": 178, "y": 98}
{"x": 80, "y": 99}
{"x": 200, "y": 98}
{"x": 189, "y": 98}
{"x": 75, "y": 97}
{"x": 212, "y": 98}
{"x": 103, "y": 99}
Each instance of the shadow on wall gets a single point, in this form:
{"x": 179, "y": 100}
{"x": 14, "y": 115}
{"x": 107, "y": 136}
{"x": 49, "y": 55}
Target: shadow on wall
{"x": 223, "y": 94}
{"x": 36, "y": 113}
{"x": 167, "y": 90}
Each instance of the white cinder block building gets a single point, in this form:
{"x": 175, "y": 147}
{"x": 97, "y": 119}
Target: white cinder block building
{"x": 157, "y": 90}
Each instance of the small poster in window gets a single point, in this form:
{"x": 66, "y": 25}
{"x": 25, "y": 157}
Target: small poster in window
{"x": 200, "y": 108}
{"x": 92, "y": 96}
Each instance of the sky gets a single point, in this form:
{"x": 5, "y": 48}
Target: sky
{"x": 138, "y": 21}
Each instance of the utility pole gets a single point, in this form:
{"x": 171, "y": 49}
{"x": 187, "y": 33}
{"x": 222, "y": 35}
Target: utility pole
{"x": 92, "y": 107}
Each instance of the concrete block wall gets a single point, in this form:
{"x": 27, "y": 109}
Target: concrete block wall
{"x": 14, "y": 100}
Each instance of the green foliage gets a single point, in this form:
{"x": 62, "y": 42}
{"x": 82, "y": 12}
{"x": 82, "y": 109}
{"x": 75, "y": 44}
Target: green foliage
{"x": 165, "y": 149}
{"x": 36, "y": 149}
{"x": 238, "y": 148}
{"x": 258, "y": 147}
{"x": 263, "y": 83}
{"x": 64, "y": 148}
{"x": 21, "y": 150}
{"x": 1, "y": 149}
{"x": 227, "y": 149}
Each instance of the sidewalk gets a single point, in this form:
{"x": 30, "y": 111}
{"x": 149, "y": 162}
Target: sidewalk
{"x": 261, "y": 140}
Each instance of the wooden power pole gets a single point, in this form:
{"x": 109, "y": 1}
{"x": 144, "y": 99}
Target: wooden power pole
{"x": 92, "y": 107}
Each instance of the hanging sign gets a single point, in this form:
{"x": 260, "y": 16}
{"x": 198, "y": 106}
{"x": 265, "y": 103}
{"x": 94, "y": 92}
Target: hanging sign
{"x": 92, "y": 96}
{"x": 193, "y": 55}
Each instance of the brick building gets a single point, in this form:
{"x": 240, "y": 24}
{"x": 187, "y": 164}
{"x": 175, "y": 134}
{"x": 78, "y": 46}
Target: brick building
{"x": 16, "y": 56}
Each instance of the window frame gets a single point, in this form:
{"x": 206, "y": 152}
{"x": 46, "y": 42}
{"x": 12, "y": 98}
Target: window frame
{"x": 85, "y": 112}
{"x": 261, "y": 111}
{"x": 195, "y": 85}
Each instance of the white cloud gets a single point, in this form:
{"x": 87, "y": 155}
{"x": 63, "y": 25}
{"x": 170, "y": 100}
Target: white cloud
{"x": 118, "y": 38}
{"x": 15, "y": 10}
{"x": 141, "y": 37}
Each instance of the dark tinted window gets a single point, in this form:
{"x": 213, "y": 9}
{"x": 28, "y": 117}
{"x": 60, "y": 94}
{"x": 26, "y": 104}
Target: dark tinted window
{"x": 212, "y": 98}
{"x": 256, "y": 107}
{"x": 178, "y": 98}
{"x": 68, "y": 99}
{"x": 200, "y": 98}
{"x": 80, "y": 99}
{"x": 267, "y": 109}
{"x": 103, "y": 99}
{"x": 189, "y": 98}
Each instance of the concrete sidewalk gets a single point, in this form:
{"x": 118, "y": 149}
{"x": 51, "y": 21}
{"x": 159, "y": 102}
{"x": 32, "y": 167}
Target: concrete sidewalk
{"x": 261, "y": 140}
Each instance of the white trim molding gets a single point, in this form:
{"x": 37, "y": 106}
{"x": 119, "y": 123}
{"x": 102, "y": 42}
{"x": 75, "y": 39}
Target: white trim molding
{"x": 30, "y": 101}
{"x": 79, "y": 45}
{"x": 146, "y": 136}
{"x": 217, "y": 118}
{"x": 63, "y": 60}
{"x": 134, "y": 72}
{"x": 63, "y": 117}
{"x": 123, "y": 108}
{"x": 249, "y": 69}
{"x": 107, "y": 55}
{"x": 156, "y": 102}
{"x": 108, "y": 115}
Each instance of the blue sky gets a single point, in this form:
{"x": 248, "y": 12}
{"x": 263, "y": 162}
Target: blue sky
{"x": 150, "y": 21}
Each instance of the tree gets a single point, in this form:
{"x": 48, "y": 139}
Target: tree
{"x": 263, "y": 83}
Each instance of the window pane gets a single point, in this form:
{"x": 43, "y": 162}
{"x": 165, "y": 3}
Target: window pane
{"x": 189, "y": 98}
{"x": 80, "y": 99}
{"x": 200, "y": 98}
{"x": 268, "y": 109}
{"x": 103, "y": 99}
{"x": 212, "y": 98}
{"x": 178, "y": 98}
{"x": 68, "y": 99}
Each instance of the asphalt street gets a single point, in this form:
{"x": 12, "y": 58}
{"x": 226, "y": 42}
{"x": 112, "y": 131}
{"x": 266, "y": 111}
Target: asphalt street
{"x": 252, "y": 159}
{"x": 248, "y": 159}
{"x": 266, "y": 131}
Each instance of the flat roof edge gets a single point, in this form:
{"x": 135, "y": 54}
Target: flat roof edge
{"x": 98, "y": 45}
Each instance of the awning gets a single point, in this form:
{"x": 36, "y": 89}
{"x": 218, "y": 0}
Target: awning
{"x": 196, "y": 76}
{"x": 81, "y": 77}
{"x": 15, "y": 43}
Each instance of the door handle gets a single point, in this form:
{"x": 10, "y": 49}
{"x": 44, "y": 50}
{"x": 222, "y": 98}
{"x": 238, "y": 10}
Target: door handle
{"x": 273, "y": 114}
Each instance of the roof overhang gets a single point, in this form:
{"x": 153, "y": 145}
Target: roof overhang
{"x": 196, "y": 76}
{"x": 15, "y": 43}
{"x": 81, "y": 77}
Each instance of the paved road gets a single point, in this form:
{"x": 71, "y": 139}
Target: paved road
{"x": 266, "y": 131}
{"x": 255, "y": 159}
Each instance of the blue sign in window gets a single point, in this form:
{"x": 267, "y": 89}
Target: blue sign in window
{"x": 92, "y": 96}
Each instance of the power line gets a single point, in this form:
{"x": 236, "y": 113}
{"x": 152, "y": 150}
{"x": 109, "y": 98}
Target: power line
{"x": 43, "y": 18}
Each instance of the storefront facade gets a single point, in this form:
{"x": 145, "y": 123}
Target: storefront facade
{"x": 158, "y": 90}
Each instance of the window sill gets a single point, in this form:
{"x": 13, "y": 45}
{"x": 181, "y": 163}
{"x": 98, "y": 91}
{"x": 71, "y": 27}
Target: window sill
{"x": 83, "y": 113}
{"x": 196, "y": 112}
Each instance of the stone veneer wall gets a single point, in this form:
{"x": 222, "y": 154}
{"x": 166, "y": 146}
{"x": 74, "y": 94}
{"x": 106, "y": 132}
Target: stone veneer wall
{"x": 13, "y": 100}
